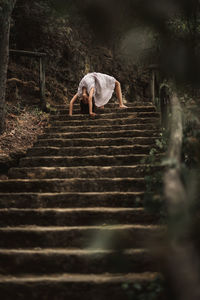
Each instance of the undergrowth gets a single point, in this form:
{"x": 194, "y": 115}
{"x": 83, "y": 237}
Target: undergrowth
{"x": 23, "y": 125}
{"x": 153, "y": 197}
{"x": 152, "y": 291}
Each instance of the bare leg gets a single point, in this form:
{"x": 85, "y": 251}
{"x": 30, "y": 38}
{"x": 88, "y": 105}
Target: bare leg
{"x": 101, "y": 107}
{"x": 119, "y": 94}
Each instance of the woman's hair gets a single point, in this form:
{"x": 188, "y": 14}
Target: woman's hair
{"x": 85, "y": 107}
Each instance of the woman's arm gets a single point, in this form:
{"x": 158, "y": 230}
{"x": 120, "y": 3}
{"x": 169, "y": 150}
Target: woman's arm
{"x": 90, "y": 102}
{"x": 72, "y": 104}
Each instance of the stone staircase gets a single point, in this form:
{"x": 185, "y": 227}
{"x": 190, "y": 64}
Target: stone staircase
{"x": 72, "y": 224}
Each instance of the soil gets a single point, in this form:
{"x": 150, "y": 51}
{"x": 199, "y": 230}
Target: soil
{"x": 23, "y": 125}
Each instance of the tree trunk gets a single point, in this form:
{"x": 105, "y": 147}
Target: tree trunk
{"x": 6, "y": 8}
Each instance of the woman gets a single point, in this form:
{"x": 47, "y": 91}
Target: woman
{"x": 96, "y": 89}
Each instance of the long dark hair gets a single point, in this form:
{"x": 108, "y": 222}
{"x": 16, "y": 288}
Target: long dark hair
{"x": 84, "y": 108}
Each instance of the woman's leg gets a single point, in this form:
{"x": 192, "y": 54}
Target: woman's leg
{"x": 119, "y": 94}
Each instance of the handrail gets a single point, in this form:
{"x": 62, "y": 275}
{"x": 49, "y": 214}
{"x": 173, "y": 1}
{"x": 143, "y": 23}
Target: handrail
{"x": 42, "y": 79}
{"x": 182, "y": 259}
{"x": 27, "y": 53}
{"x": 161, "y": 102}
{"x": 174, "y": 190}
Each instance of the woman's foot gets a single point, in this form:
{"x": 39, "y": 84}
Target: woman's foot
{"x": 123, "y": 106}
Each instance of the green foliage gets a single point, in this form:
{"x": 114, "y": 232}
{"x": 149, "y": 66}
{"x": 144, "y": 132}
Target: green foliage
{"x": 37, "y": 111}
{"x": 190, "y": 170}
{"x": 191, "y": 143}
{"x": 6, "y": 5}
{"x": 179, "y": 26}
{"x": 140, "y": 291}
{"x": 50, "y": 108}
{"x": 153, "y": 197}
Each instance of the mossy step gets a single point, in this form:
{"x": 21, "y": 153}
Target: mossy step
{"x": 69, "y": 200}
{"x": 110, "y": 116}
{"x": 112, "y": 237}
{"x": 97, "y": 135}
{"x": 101, "y": 128}
{"x": 87, "y": 151}
{"x": 89, "y": 142}
{"x": 80, "y": 172}
{"x": 106, "y": 122}
{"x": 72, "y": 161}
{"x": 51, "y": 261}
{"x": 75, "y": 216}
{"x": 75, "y": 286}
{"x": 72, "y": 185}
{"x": 76, "y": 110}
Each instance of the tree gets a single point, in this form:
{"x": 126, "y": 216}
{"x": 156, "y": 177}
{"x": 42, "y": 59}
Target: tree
{"x": 6, "y": 8}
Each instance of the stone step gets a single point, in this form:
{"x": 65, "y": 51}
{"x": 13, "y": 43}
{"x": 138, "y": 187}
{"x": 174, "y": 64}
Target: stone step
{"x": 72, "y": 161}
{"x": 89, "y": 142}
{"x": 75, "y": 216}
{"x": 75, "y": 286}
{"x": 106, "y": 122}
{"x": 111, "y": 104}
{"x": 74, "y": 227}
{"x": 72, "y": 185}
{"x": 110, "y": 116}
{"x": 52, "y": 261}
{"x": 69, "y": 200}
{"x": 76, "y": 110}
{"x": 97, "y": 237}
{"x": 97, "y": 128}
{"x": 89, "y": 151}
{"x": 97, "y": 135}
{"x": 80, "y": 172}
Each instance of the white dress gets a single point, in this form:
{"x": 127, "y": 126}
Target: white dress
{"x": 103, "y": 85}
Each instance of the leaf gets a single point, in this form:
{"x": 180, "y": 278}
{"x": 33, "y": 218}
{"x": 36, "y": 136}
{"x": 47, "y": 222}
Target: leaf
{"x": 125, "y": 286}
{"x": 137, "y": 286}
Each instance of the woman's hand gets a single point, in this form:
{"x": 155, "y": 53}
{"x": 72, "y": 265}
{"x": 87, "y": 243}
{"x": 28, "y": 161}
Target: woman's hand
{"x": 72, "y": 104}
{"x": 90, "y": 103}
{"x": 93, "y": 114}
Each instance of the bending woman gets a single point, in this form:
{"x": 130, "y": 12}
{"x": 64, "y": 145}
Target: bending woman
{"x": 96, "y": 89}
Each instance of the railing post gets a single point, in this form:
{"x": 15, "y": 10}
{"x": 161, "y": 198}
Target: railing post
{"x": 153, "y": 68}
{"x": 164, "y": 105}
{"x": 153, "y": 86}
{"x": 42, "y": 82}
